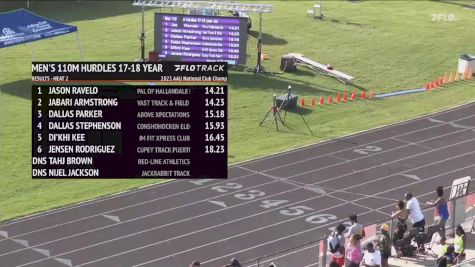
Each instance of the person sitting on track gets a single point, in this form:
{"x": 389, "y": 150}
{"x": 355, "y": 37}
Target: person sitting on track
{"x": 401, "y": 214}
{"x": 371, "y": 257}
{"x": 355, "y": 227}
{"x": 415, "y": 213}
{"x": 441, "y": 210}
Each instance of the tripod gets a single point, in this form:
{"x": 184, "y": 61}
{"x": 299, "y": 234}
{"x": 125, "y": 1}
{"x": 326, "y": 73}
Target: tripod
{"x": 275, "y": 115}
{"x": 258, "y": 68}
{"x": 276, "y": 112}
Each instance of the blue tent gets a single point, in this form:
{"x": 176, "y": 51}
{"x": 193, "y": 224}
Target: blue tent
{"x": 22, "y": 26}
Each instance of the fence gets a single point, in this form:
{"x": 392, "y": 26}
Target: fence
{"x": 315, "y": 253}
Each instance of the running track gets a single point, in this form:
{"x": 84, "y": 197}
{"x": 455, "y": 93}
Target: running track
{"x": 266, "y": 205}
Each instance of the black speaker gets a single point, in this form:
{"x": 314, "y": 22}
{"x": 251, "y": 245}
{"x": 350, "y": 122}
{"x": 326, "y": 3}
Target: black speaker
{"x": 287, "y": 101}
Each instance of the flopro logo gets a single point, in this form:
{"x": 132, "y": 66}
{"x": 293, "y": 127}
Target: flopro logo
{"x": 8, "y": 31}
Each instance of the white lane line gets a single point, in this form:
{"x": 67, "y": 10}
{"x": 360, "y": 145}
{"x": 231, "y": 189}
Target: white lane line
{"x": 89, "y": 202}
{"x": 125, "y": 207}
{"x": 112, "y": 217}
{"x": 411, "y": 176}
{"x": 194, "y": 189}
{"x": 191, "y": 233}
{"x": 153, "y": 186}
{"x": 421, "y": 195}
{"x": 363, "y": 145}
{"x": 180, "y": 221}
{"x": 413, "y": 169}
{"x": 224, "y": 239}
{"x": 266, "y": 243}
{"x": 412, "y": 143}
{"x": 435, "y": 120}
{"x": 234, "y": 253}
{"x": 138, "y": 218}
{"x": 387, "y": 163}
{"x": 372, "y": 130}
{"x": 374, "y": 154}
{"x": 340, "y": 158}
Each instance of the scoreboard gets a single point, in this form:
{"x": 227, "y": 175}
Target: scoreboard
{"x": 201, "y": 38}
{"x": 98, "y": 120}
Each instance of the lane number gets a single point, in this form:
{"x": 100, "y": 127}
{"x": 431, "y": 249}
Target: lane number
{"x": 367, "y": 150}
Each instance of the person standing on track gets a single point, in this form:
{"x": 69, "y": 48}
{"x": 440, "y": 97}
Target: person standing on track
{"x": 195, "y": 264}
{"x": 355, "y": 227}
{"x": 415, "y": 213}
{"x": 441, "y": 210}
{"x": 336, "y": 245}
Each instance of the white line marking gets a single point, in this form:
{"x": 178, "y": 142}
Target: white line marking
{"x": 340, "y": 158}
{"x": 362, "y": 146}
{"x": 435, "y": 120}
{"x": 44, "y": 252}
{"x": 201, "y": 230}
{"x": 186, "y": 191}
{"x": 4, "y": 234}
{"x": 158, "y": 185}
{"x": 235, "y": 253}
{"x": 127, "y": 207}
{"x": 21, "y": 242}
{"x": 386, "y": 163}
{"x": 113, "y": 218}
{"x": 219, "y": 203}
{"x": 412, "y": 143}
{"x": 271, "y": 258}
{"x": 395, "y": 174}
{"x": 136, "y": 218}
{"x": 65, "y": 262}
{"x": 183, "y": 220}
{"x": 460, "y": 126}
{"x": 411, "y": 176}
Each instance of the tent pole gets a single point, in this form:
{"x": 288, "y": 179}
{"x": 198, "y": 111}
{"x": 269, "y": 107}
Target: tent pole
{"x": 79, "y": 45}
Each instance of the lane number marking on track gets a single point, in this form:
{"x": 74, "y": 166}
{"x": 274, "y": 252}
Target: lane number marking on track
{"x": 201, "y": 181}
{"x": 367, "y": 150}
{"x": 226, "y": 187}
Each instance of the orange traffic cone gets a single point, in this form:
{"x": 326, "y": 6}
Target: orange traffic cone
{"x": 353, "y": 95}
{"x": 451, "y": 77}
{"x": 434, "y": 85}
{"x": 302, "y": 102}
{"x": 363, "y": 95}
{"x": 457, "y": 76}
{"x": 330, "y": 100}
{"x": 470, "y": 73}
{"x": 345, "y": 97}
{"x": 338, "y": 98}
{"x": 312, "y": 103}
{"x": 371, "y": 94}
{"x": 427, "y": 86}
{"x": 321, "y": 101}
{"x": 446, "y": 79}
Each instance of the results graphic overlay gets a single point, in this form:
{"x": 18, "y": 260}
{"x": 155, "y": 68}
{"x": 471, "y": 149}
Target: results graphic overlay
{"x": 100, "y": 130}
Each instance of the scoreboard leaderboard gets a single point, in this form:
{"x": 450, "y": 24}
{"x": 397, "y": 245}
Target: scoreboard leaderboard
{"x": 129, "y": 120}
{"x": 201, "y": 38}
